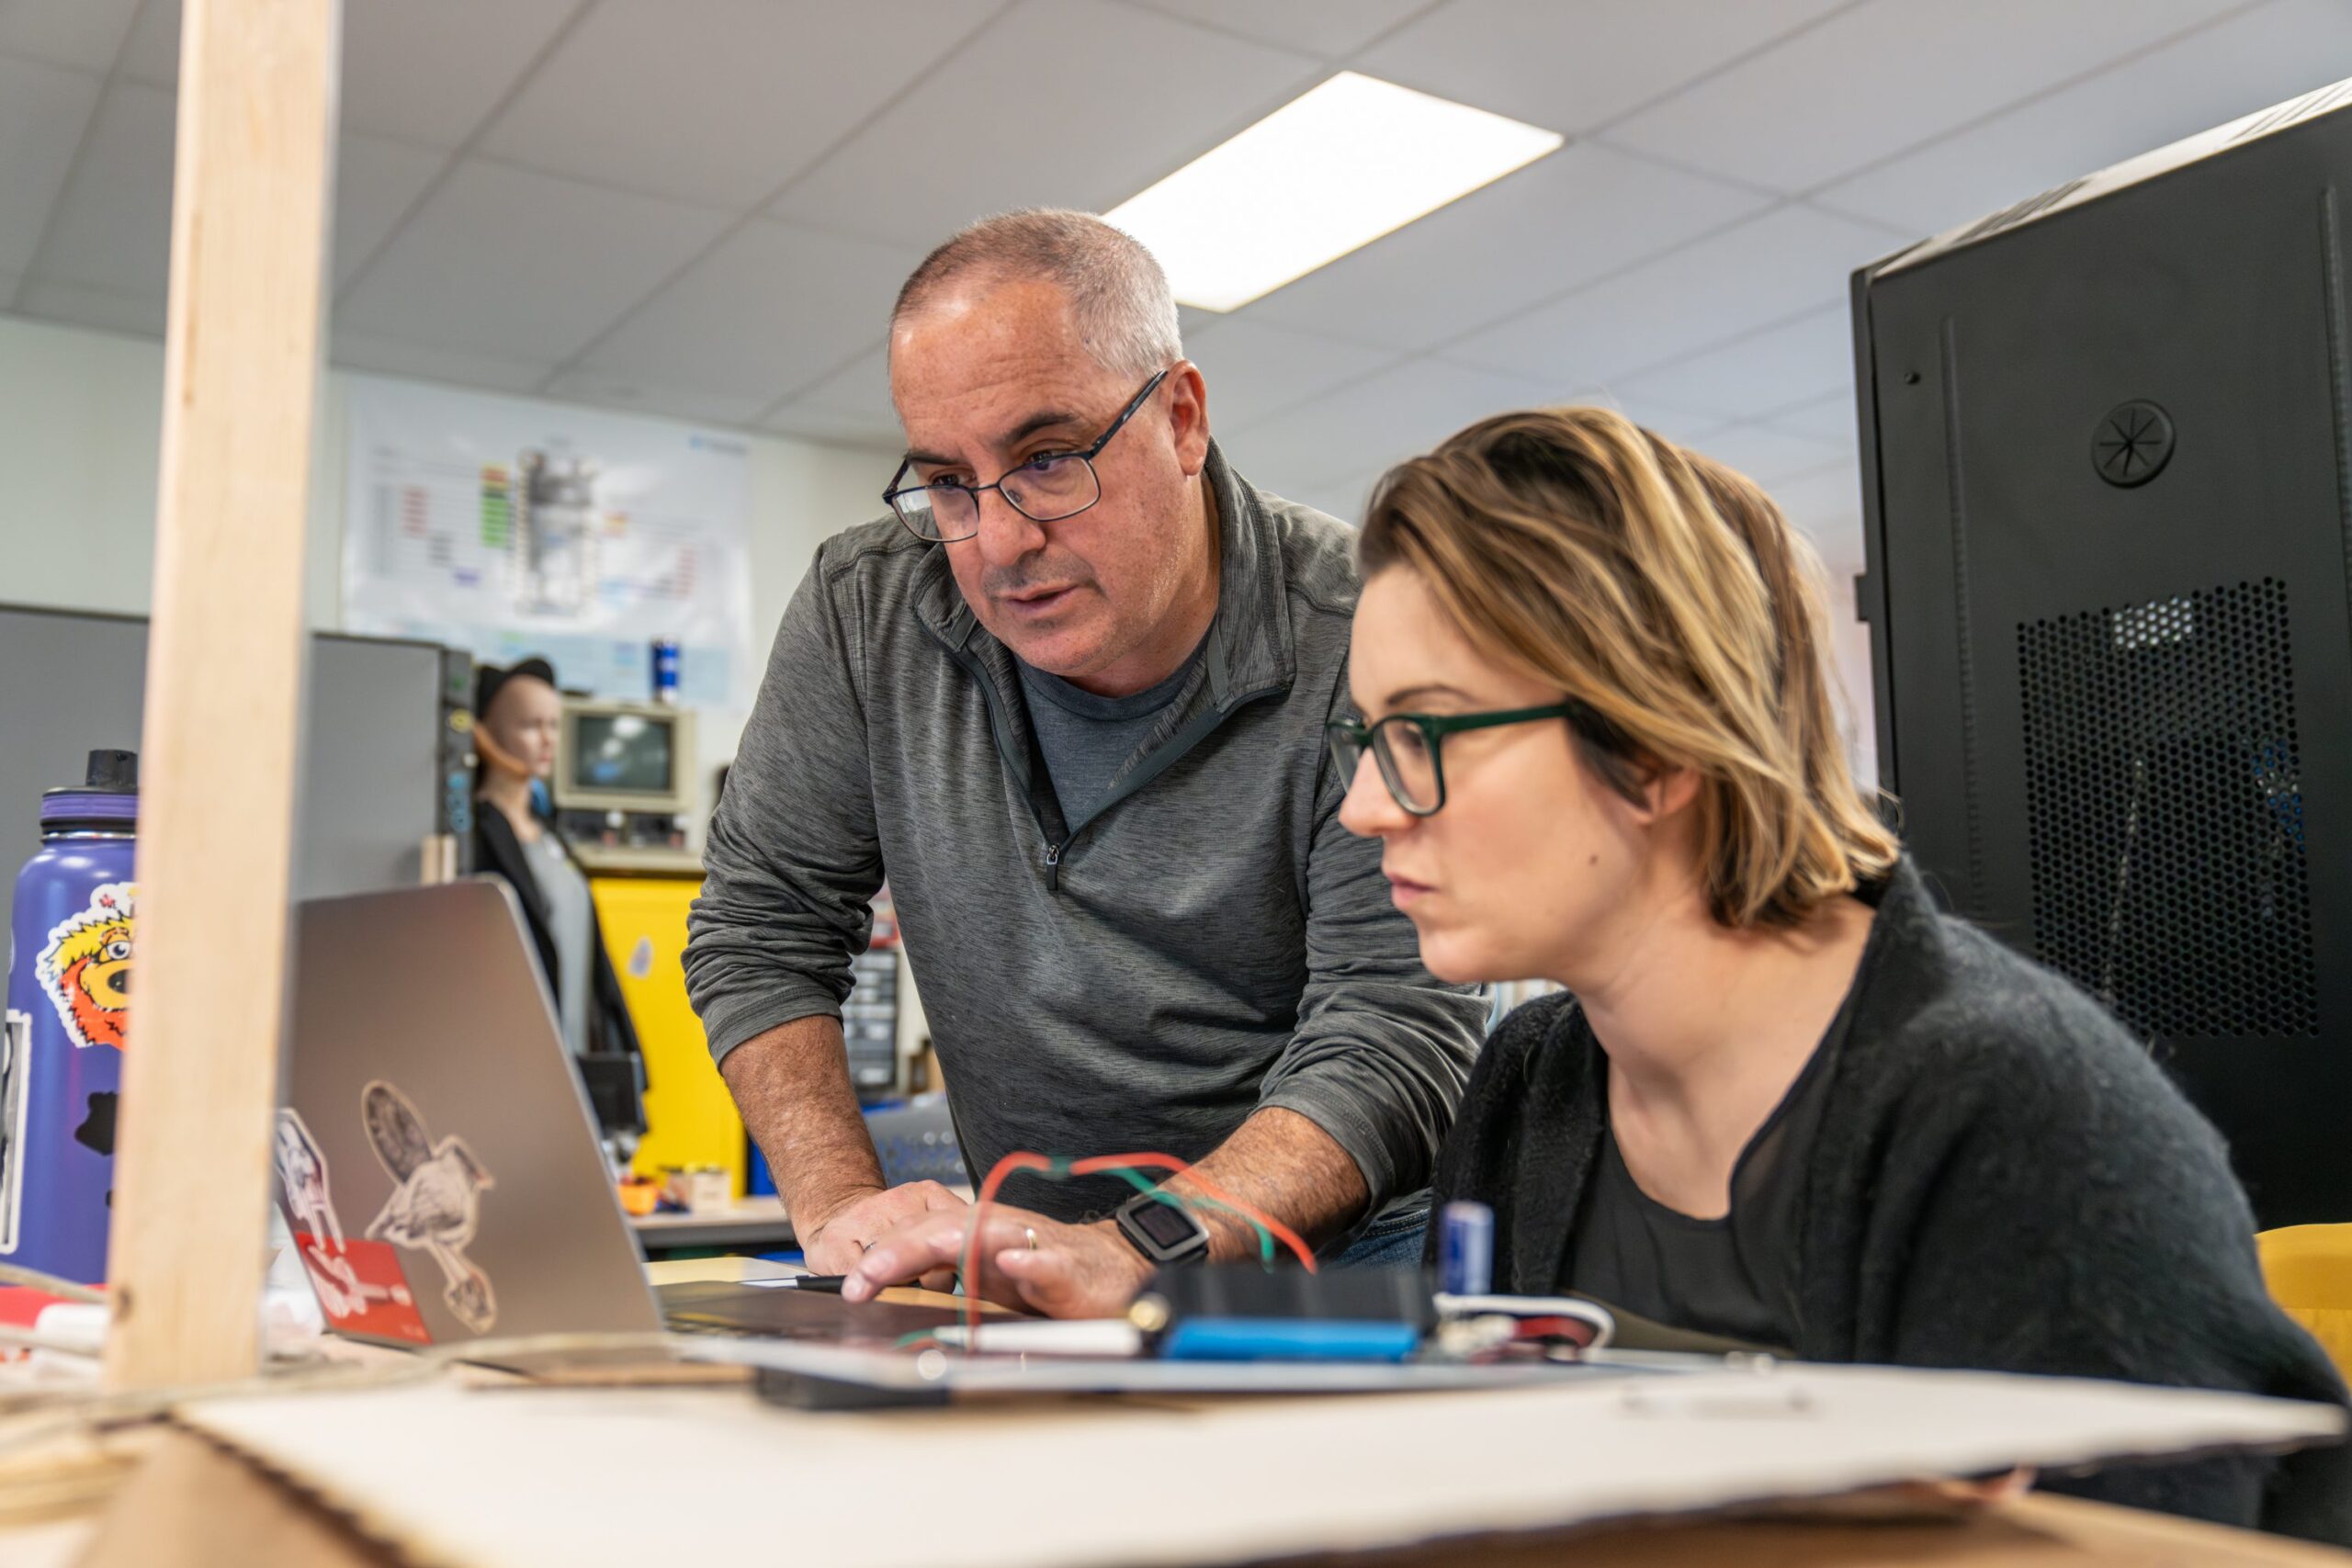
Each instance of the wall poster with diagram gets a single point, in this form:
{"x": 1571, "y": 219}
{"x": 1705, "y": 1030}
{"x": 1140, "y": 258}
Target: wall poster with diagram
{"x": 509, "y": 527}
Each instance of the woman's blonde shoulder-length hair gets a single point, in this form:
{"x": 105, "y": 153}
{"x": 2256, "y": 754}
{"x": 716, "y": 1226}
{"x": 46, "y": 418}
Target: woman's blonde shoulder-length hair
{"x": 1668, "y": 596}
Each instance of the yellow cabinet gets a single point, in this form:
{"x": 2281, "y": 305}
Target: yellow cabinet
{"x": 690, "y": 1118}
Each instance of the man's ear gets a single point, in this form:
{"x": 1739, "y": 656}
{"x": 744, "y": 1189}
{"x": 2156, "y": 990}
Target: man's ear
{"x": 1188, "y": 416}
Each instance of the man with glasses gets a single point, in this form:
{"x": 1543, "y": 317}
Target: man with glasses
{"x": 1071, "y": 698}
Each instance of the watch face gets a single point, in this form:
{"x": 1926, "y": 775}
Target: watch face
{"x": 1166, "y": 1225}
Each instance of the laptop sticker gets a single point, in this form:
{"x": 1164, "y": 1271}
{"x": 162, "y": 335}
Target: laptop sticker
{"x": 360, "y": 1284}
{"x": 86, "y": 967}
{"x": 437, "y": 1203}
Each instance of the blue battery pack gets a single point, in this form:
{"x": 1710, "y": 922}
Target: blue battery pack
{"x": 1288, "y": 1339}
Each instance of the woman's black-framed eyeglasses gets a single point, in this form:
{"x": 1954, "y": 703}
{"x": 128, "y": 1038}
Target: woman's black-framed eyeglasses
{"x": 1047, "y": 488}
{"x": 1407, "y": 748}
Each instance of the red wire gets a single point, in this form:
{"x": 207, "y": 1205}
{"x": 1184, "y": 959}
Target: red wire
{"x": 1025, "y": 1159}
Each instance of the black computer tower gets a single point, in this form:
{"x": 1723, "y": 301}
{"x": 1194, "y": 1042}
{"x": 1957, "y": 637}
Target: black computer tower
{"x": 2106, "y": 464}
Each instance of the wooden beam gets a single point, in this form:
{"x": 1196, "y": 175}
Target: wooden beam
{"x": 254, "y": 166}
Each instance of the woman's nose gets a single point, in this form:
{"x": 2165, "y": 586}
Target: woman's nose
{"x": 1369, "y": 811}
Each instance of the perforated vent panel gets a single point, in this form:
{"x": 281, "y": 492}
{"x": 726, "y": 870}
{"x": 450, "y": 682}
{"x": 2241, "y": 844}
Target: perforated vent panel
{"x": 2164, "y": 803}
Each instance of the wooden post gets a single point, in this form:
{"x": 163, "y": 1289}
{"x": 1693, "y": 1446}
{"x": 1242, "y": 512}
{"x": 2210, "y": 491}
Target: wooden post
{"x": 224, "y": 682}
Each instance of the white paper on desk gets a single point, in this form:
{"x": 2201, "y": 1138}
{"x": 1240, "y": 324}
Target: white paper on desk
{"x": 517, "y": 1479}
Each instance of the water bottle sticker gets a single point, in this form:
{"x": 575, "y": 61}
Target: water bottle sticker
{"x": 16, "y": 1098}
{"x": 436, "y": 1199}
{"x": 84, "y": 969}
{"x": 360, "y": 1284}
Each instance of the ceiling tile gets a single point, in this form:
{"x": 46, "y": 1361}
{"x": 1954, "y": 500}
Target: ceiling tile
{"x": 112, "y": 229}
{"x": 43, "y": 111}
{"x": 635, "y": 394}
{"x": 376, "y": 182}
{"x": 521, "y": 265}
{"x": 1565, "y": 221}
{"x": 1255, "y": 368}
{"x": 725, "y": 99}
{"x": 422, "y": 71}
{"x": 2247, "y": 63}
{"x": 57, "y": 299}
{"x": 1769, "y": 455}
{"x": 1001, "y": 129}
{"x": 391, "y": 356}
{"x": 1373, "y": 422}
{"x": 85, "y": 34}
{"x": 852, "y": 405}
{"x": 1793, "y": 362}
{"x": 1734, "y": 282}
{"x": 1575, "y": 67}
{"x": 769, "y": 309}
{"x": 1886, "y": 74}
{"x": 1331, "y": 28}
{"x": 1832, "y": 418}
{"x": 1675, "y": 425}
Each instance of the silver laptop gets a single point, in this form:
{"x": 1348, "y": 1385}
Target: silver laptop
{"x": 437, "y": 1160}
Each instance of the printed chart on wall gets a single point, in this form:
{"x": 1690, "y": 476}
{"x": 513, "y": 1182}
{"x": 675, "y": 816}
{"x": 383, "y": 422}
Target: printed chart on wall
{"x": 508, "y": 528}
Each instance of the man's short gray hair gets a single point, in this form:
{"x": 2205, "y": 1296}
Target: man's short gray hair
{"x": 1125, "y": 315}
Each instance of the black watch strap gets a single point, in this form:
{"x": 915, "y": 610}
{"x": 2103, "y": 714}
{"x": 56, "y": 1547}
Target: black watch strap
{"x": 1163, "y": 1230}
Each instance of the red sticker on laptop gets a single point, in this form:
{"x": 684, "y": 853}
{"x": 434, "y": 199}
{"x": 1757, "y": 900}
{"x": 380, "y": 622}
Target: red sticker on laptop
{"x": 360, "y": 1284}
{"x": 362, "y": 1288}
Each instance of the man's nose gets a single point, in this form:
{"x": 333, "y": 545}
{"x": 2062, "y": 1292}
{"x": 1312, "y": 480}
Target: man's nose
{"x": 1369, "y": 811}
{"x": 1006, "y": 533}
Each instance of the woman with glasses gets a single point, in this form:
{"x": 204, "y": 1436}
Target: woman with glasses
{"x": 1785, "y": 1101}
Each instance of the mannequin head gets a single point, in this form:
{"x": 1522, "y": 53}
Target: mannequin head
{"x": 517, "y": 713}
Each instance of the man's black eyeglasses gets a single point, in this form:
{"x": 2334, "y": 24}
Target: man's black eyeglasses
{"x": 1047, "y": 488}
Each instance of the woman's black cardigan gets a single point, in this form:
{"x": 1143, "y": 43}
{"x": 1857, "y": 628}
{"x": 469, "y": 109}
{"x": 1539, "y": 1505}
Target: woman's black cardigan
{"x": 2003, "y": 1180}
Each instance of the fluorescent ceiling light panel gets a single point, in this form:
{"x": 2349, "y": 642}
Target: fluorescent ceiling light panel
{"x": 1327, "y": 173}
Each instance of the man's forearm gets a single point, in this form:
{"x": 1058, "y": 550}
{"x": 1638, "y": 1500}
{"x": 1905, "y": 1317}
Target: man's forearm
{"x": 792, "y": 1086}
{"x": 1285, "y": 1167}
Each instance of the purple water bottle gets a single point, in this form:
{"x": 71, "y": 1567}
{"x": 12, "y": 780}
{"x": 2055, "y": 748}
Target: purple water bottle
{"x": 69, "y": 997}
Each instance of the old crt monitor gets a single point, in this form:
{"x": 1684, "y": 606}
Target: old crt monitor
{"x": 627, "y": 756}
{"x": 2106, "y": 466}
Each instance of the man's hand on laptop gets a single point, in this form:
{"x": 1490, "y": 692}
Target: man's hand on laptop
{"x": 842, "y": 1237}
{"x": 1023, "y": 1261}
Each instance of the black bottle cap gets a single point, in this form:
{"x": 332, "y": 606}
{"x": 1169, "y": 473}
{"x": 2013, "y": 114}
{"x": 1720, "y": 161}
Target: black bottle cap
{"x": 113, "y": 773}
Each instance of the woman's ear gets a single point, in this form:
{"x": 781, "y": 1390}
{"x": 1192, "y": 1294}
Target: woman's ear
{"x": 1666, "y": 792}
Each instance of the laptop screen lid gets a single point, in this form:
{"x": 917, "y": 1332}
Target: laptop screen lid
{"x": 437, "y": 1161}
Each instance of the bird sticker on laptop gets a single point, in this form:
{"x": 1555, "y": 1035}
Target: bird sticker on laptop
{"x": 435, "y": 1202}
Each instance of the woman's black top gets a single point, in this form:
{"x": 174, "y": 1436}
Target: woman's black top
{"x": 1734, "y": 1278}
{"x": 2001, "y": 1178}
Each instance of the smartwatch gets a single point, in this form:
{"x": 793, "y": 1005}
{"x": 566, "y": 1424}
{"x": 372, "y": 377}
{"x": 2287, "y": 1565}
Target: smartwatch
{"x": 1166, "y": 1233}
